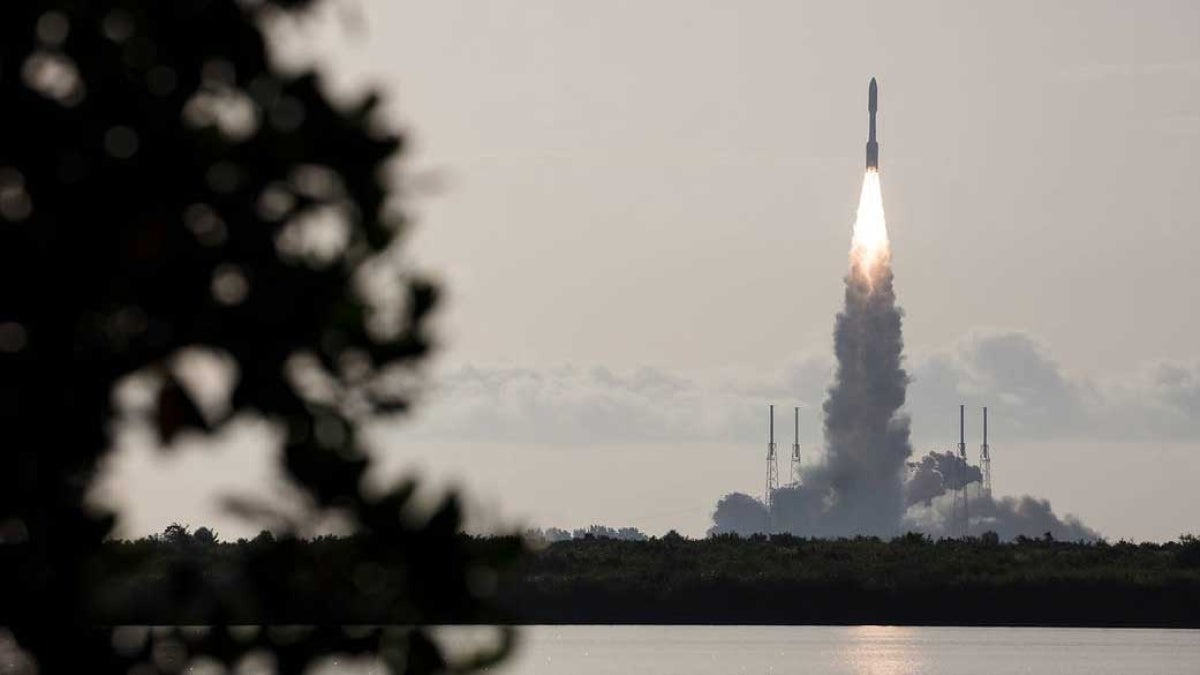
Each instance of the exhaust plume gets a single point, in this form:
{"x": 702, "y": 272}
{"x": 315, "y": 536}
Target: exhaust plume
{"x": 866, "y": 434}
{"x": 860, "y": 487}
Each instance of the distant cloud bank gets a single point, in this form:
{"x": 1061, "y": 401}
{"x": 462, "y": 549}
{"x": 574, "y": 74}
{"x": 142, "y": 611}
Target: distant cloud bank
{"x": 1033, "y": 398}
{"x": 1030, "y": 395}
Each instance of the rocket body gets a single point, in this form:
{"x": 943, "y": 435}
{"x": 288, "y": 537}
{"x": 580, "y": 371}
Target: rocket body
{"x": 872, "y": 144}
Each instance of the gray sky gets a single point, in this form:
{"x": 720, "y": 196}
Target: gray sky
{"x": 645, "y": 218}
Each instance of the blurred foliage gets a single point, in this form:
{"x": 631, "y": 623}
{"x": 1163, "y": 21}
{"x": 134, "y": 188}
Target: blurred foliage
{"x": 166, "y": 190}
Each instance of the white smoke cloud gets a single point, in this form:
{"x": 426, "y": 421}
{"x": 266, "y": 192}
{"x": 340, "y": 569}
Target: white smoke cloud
{"x": 1030, "y": 395}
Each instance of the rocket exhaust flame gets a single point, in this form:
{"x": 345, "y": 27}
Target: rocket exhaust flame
{"x": 870, "y": 250}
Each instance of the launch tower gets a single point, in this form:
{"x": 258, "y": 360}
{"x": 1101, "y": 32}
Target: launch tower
{"x": 772, "y": 467}
{"x": 985, "y": 458}
{"x": 960, "y": 494}
{"x": 796, "y": 451}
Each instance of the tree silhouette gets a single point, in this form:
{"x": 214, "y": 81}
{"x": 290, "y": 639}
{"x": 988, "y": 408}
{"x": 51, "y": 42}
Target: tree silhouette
{"x": 177, "y": 535}
{"x": 204, "y": 536}
{"x": 164, "y": 190}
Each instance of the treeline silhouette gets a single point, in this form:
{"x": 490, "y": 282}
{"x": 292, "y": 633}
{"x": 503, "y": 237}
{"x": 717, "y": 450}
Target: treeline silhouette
{"x": 912, "y": 579}
{"x": 725, "y": 579}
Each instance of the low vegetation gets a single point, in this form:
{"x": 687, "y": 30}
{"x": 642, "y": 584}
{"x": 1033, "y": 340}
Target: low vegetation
{"x": 724, "y": 579}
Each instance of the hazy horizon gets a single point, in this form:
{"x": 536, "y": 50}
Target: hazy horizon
{"x": 643, "y": 223}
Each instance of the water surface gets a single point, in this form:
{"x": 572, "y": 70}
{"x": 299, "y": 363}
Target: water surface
{"x": 830, "y": 650}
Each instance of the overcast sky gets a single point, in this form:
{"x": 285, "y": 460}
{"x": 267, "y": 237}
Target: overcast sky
{"x": 643, "y": 219}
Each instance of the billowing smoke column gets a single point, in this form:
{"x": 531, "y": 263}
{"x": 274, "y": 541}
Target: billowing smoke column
{"x": 866, "y": 435}
{"x": 859, "y": 489}
{"x": 861, "y": 486}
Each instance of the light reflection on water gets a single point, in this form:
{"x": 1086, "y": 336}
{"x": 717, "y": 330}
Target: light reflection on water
{"x": 883, "y": 650}
{"x": 837, "y": 650}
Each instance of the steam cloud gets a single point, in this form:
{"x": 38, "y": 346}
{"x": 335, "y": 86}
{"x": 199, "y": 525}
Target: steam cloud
{"x": 1009, "y": 517}
{"x": 931, "y": 509}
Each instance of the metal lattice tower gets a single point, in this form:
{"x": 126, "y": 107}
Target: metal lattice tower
{"x": 772, "y": 466}
{"x": 960, "y": 495}
{"x": 985, "y": 458}
{"x": 796, "y": 451}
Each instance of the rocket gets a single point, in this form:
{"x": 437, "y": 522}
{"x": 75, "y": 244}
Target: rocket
{"x": 872, "y": 145}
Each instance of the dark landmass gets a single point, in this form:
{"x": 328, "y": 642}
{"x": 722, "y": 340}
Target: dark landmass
{"x": 909, "y": 580}
{"x": 670, "y": 580}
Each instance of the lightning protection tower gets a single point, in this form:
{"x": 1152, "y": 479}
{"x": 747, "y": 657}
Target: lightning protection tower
{"x": 772, "y": 465}
{"x": 985, "y": 458}
{"x": 960, "y": 494}
{"x": 796, "y": 451}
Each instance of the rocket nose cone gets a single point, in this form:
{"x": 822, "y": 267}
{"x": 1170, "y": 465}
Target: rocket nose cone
{"x": 872, "y": 96}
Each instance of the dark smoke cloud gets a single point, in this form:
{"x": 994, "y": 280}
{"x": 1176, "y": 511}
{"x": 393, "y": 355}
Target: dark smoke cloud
{"x": 936, "y": 474}
{"x": 739, "y": 513}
